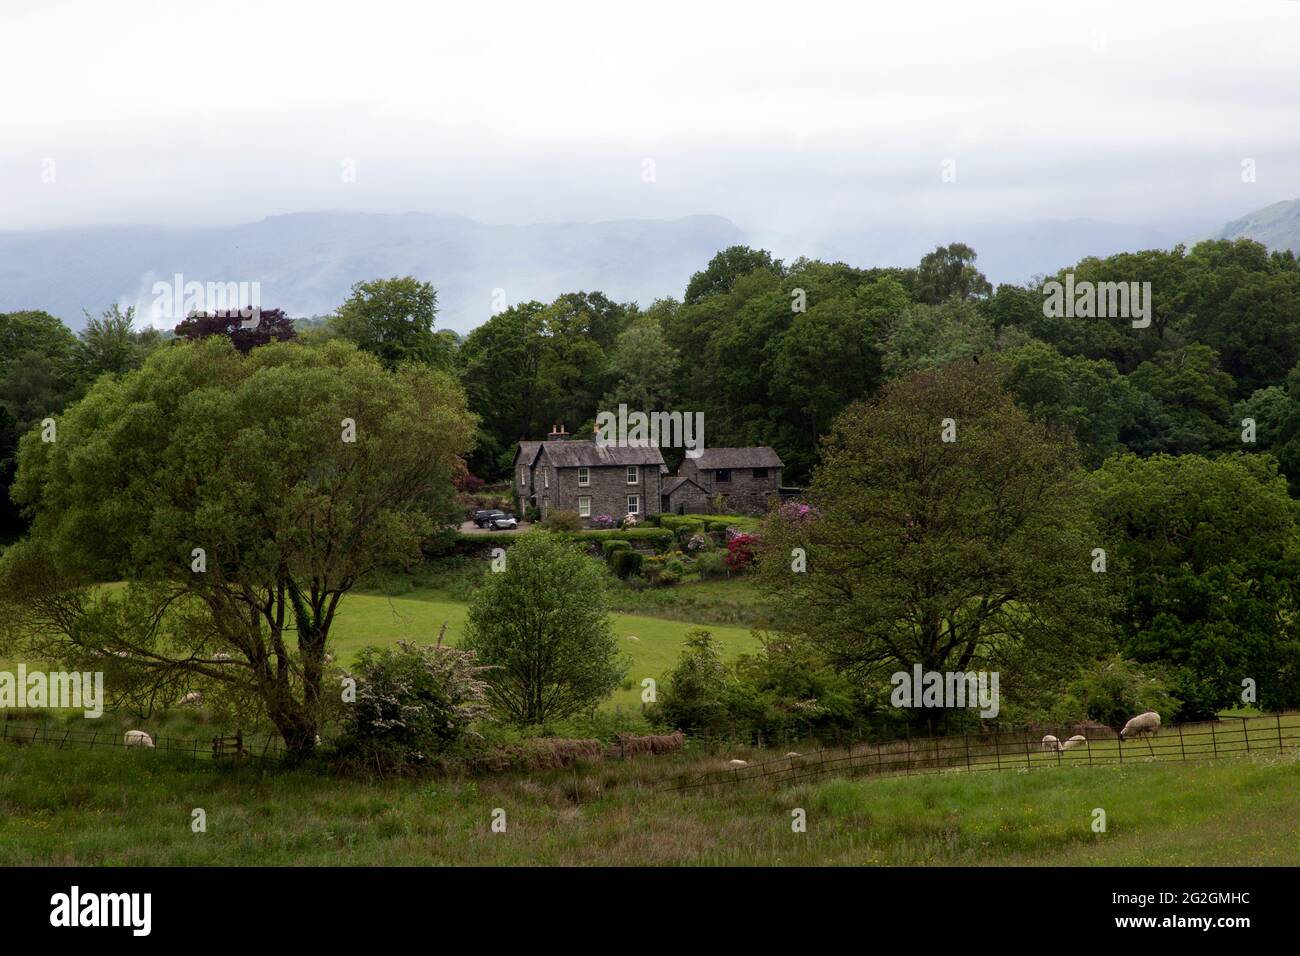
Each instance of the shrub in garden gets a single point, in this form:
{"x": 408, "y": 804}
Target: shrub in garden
{"x": 667, "y": 578}
{"x": 562, "y": 521}
{"x": 696, "y": 544}
{"x": 675, "y": 566}
{"x": 798, "y": 511}
{"x": 740, "y": 551}
{"x": 614, "y": 544}
{"x": 711, "y": 565}
{"x": 625, "y": 563}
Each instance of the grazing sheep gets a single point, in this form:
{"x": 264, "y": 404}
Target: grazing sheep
{"x": 137, "y": 738}
{"x": 633, "y": 637}
{"x": 739, "y": 763}
{"x": 1142, "y": 725}
{"x": 193, "y": 697}
{"x": 1051, "y": 743}
{"x": 1078, "y": 740}
{"x": 793, "y": 754}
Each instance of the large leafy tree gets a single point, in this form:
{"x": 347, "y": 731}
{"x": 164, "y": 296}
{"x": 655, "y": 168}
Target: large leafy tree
{"x": 720, "y": 275}
{"x": 392, "y": 319}
{"x": 500, "y": 366}
{"x": 1194, "y": 398}
{"x": 1088, "y": 396}
{"x": 949, "y": 272}
{"x": 110, "y": 344}
{"x": 269, "y": 325}
{"x": 241, "y": 497}
{"x": 543, "y": 627}
{"x": 1210, "y": 558}
{"x": 961, "y": 555}
{"x": 643, "y": 365}
{"x": 37, "y": 379}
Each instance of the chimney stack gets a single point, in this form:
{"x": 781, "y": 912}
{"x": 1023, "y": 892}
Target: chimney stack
{"x": 558, "y": 433}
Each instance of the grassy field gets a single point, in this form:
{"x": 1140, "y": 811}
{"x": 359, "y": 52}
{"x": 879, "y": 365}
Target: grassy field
{"x": 371, "y": 619}
{"x": 135, "y": 808}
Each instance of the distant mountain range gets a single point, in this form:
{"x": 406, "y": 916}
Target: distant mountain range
{"x": 1276, "y": 226}
{"x": 306, "y": 262}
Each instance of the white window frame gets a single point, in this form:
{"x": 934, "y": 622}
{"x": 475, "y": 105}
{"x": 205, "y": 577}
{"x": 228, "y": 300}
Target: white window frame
{"x": 584, "y": 506}
{"x": 523, "y": 477}
{"x": 584, "y": 477}
{"x": 634, "y": 474}
{"x": 546, "y": 477}
{"x": 634, "y": 504}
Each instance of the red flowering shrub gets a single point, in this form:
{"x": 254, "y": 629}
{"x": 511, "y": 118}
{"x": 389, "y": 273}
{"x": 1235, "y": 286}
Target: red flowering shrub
{"x": 740, "y": 551}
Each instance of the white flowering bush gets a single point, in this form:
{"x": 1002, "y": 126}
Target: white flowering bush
{"x": 413, "y": 701}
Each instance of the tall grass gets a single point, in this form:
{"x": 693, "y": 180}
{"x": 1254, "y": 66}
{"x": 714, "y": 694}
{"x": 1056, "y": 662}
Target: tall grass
{"x": 136, "y": 808}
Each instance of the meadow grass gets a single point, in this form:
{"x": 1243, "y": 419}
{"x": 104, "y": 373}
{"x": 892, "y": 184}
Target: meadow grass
{"x": 135, "y": 808}
{"x": 367, "y": 619}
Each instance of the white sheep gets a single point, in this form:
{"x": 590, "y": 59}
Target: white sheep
{"x": 739, "y": 763}
{"x": 1141, "y": 725}
{"x": 1051, "y": 743}
{"x": 193, "y": 697}
{"x": 1078, "y": 740}
{"x": 137, "y": 738}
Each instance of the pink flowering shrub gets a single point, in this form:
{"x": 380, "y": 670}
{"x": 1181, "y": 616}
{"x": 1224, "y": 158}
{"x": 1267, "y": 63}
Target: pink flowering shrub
{"x": 793, "y": 511}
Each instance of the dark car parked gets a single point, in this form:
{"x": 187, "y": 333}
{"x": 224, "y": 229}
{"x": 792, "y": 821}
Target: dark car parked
{"x": 485, "y": 518}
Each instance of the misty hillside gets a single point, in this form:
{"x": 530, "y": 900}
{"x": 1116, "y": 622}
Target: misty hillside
{"x": 307, "y": 262}
{"x": 1276, "y": 226}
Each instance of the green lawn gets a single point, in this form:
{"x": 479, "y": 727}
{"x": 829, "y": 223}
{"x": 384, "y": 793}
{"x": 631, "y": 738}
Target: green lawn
{"x": 371, "y": 619}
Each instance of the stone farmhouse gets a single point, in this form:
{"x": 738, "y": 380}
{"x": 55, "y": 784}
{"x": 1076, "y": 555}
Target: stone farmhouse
{"x": 565, "y": 473}
{"x": 748, "y": 479}
{"x": 569, "y": 473}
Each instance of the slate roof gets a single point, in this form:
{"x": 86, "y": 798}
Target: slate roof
{"x": 760, "y": 456}
{"x": 675, "y": 483}
{"x": 529, "y": 450}
{"x": 588, "y": 454}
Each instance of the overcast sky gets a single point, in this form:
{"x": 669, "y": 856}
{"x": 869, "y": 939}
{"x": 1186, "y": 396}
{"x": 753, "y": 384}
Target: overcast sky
{"x": 795, "y": 118}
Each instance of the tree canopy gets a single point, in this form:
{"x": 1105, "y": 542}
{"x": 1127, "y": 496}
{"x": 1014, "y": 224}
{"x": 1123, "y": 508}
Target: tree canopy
{"x": 242, "y": 496}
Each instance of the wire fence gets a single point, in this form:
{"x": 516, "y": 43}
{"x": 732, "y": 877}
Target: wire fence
{"x": 229, "y": 749}
{"x": 1019, "y": 750}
